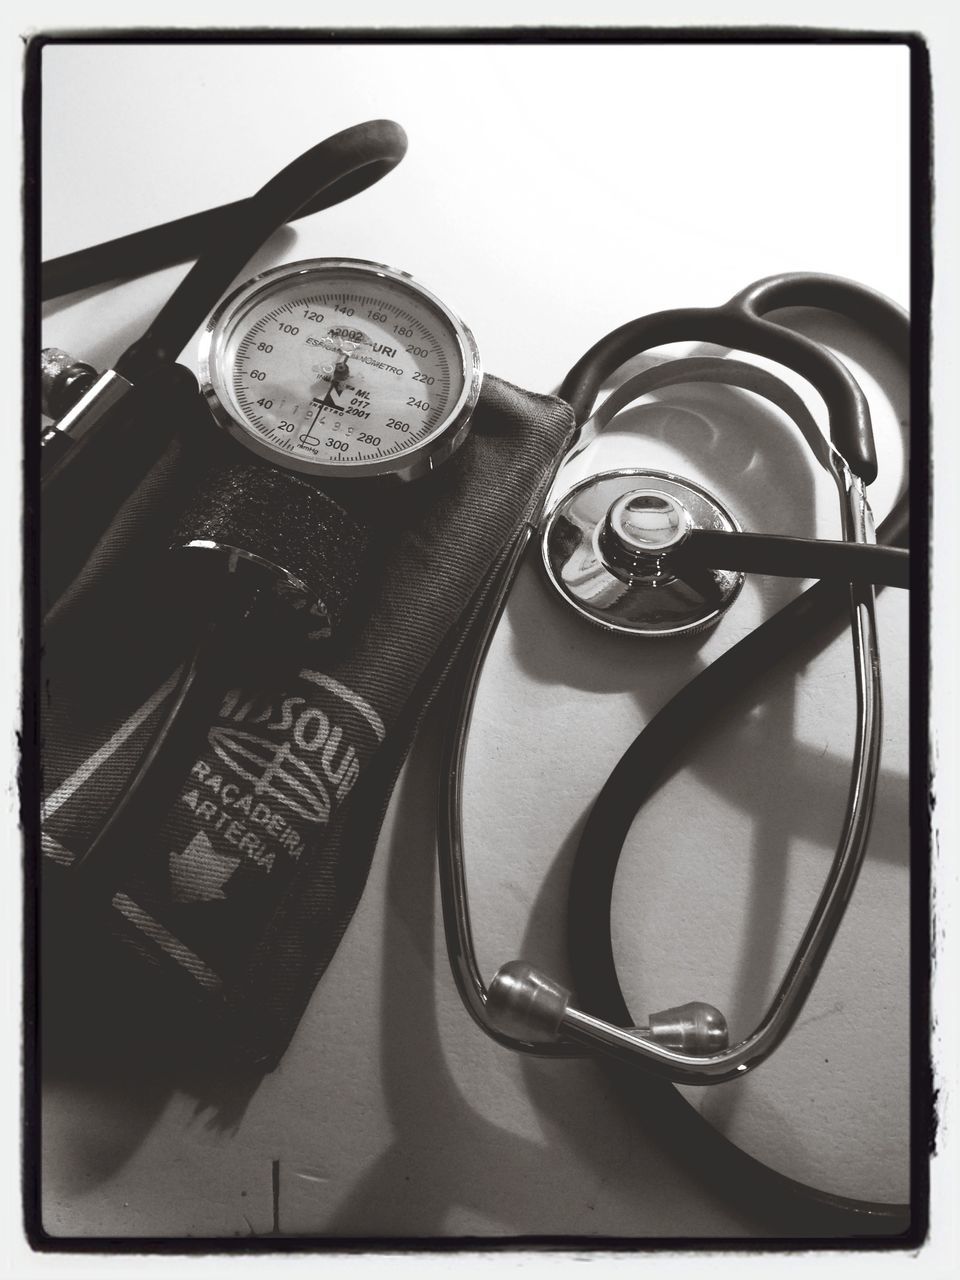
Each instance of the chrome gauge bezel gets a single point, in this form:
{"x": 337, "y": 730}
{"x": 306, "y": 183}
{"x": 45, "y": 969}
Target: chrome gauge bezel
{"x": 421, "y": 458}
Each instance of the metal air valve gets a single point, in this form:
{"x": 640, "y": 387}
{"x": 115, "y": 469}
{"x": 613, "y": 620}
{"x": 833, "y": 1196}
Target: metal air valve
{"x": 63, "y": 381}
{"x": 527, "y": 1004}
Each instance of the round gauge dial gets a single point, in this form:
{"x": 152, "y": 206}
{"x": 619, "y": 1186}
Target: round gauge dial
{"x": 341, "y": 367}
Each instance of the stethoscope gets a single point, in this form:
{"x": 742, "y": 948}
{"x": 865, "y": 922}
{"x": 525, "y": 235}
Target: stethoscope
{"x": 649, "y": 554}
{"x": 611, "y": 546}
{"x": 616, "y": 548}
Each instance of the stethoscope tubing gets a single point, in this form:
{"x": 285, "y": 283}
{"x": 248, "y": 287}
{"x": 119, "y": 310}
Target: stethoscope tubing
{"x": 656, "y": 753}
{"x": 807, "y": 621}
{"x": 530, "y": 1006}
{"x": 849, "y": 416}
{"x": 722, "y": 682}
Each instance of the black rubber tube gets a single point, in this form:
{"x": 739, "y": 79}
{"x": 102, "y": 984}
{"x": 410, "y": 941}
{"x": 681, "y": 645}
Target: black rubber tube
{"x": 341, "y": 163}
{"x": 184, "y": 239}
{"x": 650, "y": 760}
{"x": 655, "y": 755}
{"x": 794, "y": 557}
{"x": 735, "y": 326}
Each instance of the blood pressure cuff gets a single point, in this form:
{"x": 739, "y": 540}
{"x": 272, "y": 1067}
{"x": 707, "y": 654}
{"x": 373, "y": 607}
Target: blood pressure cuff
{"x": 237, "y": 901}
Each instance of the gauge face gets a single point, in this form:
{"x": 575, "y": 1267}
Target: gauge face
{"x": 341, "y": 367}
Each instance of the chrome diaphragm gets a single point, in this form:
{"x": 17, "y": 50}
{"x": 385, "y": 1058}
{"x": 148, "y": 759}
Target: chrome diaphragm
{"x": 610, "y": 549}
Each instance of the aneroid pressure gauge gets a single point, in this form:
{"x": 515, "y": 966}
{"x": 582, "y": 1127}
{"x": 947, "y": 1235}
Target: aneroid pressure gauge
{"x": 337, "y": 367}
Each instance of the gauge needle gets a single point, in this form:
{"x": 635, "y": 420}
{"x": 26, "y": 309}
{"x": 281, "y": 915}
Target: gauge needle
{"x": 342, "y": 371}
{"x": 337, "y": 378}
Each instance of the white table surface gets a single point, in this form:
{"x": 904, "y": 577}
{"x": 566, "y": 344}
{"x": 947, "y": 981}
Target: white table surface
{"x": 549, "y": 193}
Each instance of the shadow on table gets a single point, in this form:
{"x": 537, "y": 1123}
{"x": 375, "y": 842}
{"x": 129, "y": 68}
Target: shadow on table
{"x": 448, "y": 1164}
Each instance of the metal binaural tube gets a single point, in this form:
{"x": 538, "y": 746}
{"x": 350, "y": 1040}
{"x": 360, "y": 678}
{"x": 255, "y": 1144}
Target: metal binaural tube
{"x": 450, "y": 856}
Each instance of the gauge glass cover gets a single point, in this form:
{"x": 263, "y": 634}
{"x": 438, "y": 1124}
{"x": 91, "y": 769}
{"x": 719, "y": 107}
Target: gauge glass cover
{"x": 341, "y": 367}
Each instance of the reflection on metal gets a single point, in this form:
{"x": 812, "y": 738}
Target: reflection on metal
{"x": 526, "y": 1010}
{"x": 607, "y": 550}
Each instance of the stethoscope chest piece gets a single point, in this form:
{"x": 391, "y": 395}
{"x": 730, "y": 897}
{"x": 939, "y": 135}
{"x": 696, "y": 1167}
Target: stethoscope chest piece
{"x": 612, "y": 548}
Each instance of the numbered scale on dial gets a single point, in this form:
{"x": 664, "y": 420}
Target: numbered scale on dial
{"x": 341, "y": 367}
